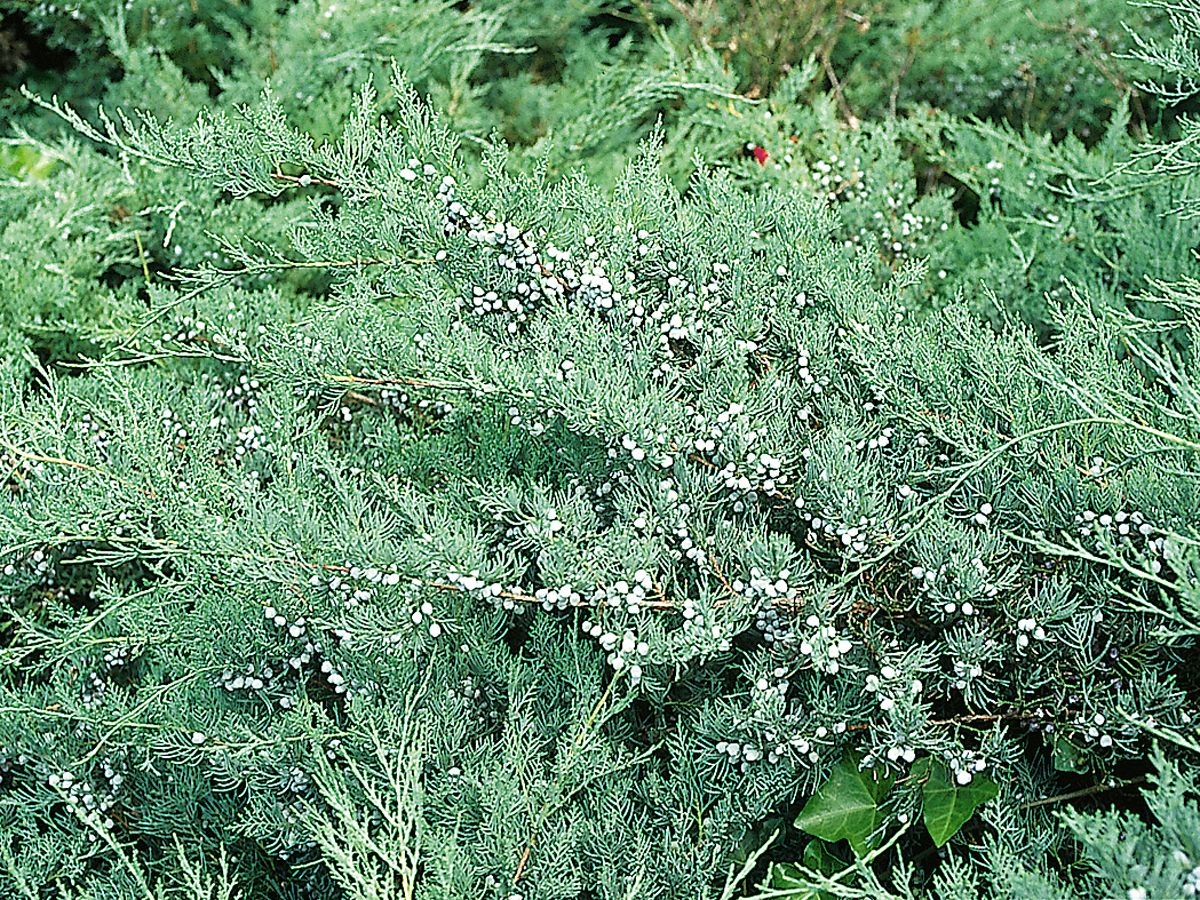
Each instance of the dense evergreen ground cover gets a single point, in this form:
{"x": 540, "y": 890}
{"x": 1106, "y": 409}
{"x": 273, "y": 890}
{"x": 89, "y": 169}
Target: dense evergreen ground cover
{"x": 652, "y": 449}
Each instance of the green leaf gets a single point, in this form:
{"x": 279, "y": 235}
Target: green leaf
{"x": 948, "y": 805}
{"x": 1066, "y": 756}
{"x": 793, "y": 879}
{"x": 24, "y": 161}
{"x": 846, "y": 805}
{"x": 754, "y": 838}
{"x": 819, "y": 858}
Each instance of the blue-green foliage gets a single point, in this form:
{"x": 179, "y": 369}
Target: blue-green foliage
{"x": 390, "y": 511}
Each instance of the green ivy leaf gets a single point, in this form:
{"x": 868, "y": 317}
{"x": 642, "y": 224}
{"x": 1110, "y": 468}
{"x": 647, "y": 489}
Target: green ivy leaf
{"x": 23, "y": 161}
{"x": 948, "y": 804}
{"x": 1066, "y": 756}
{"x": 846, "y": 805}
{"x": 790, "y": 879}
{"x": 755, "y": 836}
{"x": 794, "y": 878}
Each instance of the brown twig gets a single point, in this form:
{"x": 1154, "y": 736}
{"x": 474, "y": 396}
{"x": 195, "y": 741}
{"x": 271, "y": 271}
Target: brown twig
{"x": 305, "y": 180}
{"x": 575, "y": 748}
{"x": 362, "y": 398}
{"x": 73, "y": 464}
{"x": 388, "y": 382}
{"x": 1083, "y": 792}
